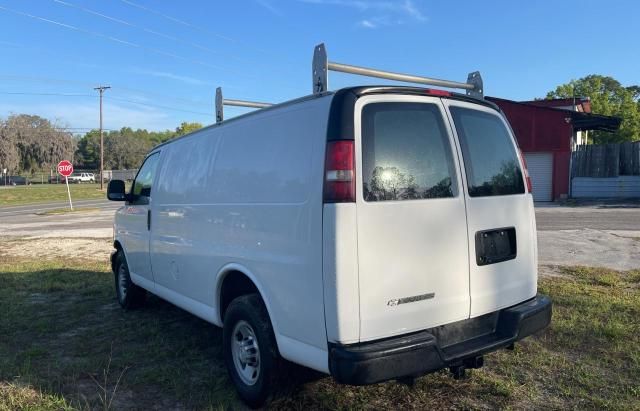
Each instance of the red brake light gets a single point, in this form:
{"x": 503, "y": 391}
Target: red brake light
{"x": 339, "y": 172}
{"x": 436, "y": 92}
{"x": 526, "y": 172}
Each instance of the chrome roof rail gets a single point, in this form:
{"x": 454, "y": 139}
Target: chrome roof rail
{"x": 221, "y": 102}
{"x": 320, "y": 76}
{"x": 321, "y": 66}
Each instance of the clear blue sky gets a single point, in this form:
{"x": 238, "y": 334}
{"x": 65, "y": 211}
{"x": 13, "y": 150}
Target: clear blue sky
{"x": 170, "y": 55}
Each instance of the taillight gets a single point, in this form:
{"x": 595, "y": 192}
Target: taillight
{"x": 526, "y": 172}
{"x": 436, "y": 92}
{"x": 339, "y": 172}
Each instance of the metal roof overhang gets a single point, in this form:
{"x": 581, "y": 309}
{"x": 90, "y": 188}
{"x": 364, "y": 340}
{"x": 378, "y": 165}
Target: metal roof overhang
{"x": 584, "y": 121}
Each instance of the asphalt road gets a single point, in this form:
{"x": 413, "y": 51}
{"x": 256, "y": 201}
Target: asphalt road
{"x": 595, "y": 235}
{"x": 25, "y": 220}
{"x": 548, "y": 217}
{"x": 624, "y": 217}
{"x": 9, "y": 211}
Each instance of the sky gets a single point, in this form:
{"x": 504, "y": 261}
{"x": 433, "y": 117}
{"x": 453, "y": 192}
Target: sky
{"x": 163, "y": 59}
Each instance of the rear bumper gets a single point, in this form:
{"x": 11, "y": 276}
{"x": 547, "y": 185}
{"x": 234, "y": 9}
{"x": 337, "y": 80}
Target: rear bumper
{"x": 446, "y": 346}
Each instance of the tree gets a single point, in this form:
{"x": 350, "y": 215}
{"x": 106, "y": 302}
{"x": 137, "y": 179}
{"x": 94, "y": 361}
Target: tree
{"x": 87, "y": 153}
{"x": 124, "y": 148}
{"x": 609, "y": 98}
{"x": 9, "y": 156}
{"x": 186, "y": 128}
{"x": 389, "y": 183}
{"x": 30, "y": 143}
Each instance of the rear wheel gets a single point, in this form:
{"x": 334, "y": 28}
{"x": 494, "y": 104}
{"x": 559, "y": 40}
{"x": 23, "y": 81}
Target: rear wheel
{"x": 249, "y": 349}
{"x": 129, "y": 295}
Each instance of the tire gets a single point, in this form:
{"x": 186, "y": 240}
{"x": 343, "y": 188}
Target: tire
{"x": 247, "y": 338}
{"x": 128, "y": 294}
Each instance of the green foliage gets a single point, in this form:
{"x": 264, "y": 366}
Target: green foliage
{"x": 124, "y": 148}
{"x": 30, "y": 143}
{"x": 186, "y": 128}
{"x": 609, "y": 98}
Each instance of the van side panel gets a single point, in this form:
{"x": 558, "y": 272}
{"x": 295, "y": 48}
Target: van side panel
{"x": 249, "y": 192}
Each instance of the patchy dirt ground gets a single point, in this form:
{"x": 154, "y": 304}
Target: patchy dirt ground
{"x": 96, "y": 249}
{"x": 618, "y": 250}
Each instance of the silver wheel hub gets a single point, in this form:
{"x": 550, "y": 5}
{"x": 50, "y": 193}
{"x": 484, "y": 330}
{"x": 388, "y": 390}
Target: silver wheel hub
{"x": 245, "y": 352}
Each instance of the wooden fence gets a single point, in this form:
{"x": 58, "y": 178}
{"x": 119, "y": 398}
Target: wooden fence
{"x": 606, "y": 160}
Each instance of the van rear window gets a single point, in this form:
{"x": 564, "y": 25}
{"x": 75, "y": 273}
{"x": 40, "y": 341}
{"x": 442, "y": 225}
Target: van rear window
{"x": 490, "y": 158}
{"x": 406, "y": 153}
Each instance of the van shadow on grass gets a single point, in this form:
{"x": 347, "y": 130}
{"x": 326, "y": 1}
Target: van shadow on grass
{"x": 65, "y": 335}
{"x": 66, "y": 343}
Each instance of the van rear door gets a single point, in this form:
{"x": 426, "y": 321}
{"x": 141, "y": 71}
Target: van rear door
{"x": 412, "y": 231}
{"x": 500, "y": 215}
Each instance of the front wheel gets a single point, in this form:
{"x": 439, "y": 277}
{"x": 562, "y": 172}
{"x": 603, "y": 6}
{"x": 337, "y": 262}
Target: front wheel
{"x": 249, "y": 349}
{"x": 129, "y": 295}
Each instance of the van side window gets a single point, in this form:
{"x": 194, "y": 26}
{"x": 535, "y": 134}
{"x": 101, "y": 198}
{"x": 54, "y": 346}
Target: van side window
{"x": 490, "y": 158}
{"x": 406, "y": 154}
{"x": 144, "y": 179}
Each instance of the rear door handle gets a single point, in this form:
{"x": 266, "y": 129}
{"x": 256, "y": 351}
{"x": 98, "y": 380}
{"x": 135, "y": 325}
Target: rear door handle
{"x": 148, "y": 220}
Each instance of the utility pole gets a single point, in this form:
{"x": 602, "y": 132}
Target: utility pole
{"x": 101, "y": 90}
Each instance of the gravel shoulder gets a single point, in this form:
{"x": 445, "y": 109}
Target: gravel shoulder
{"x": 618, "y": 250}
{"x": 597, "y": 234}
{"x": 93, "y": 249}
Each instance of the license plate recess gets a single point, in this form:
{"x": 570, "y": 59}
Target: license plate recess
{"x": 496, "y": 245}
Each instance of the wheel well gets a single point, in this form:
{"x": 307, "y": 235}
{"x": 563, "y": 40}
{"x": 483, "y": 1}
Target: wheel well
{"x": 234, "y": 285}
{"x": 117, "y": 246}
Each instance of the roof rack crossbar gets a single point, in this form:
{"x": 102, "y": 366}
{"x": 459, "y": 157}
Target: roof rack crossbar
{"x": 221, "y": 102}
{"x": 321, "y": 66}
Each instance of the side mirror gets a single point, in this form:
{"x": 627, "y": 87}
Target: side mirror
{"x": 116, "y": 191}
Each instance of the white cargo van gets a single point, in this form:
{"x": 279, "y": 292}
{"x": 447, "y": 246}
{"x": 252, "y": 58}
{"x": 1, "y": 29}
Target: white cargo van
{"x": 371, "y": 233}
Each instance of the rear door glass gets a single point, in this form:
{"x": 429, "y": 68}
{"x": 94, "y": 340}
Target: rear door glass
{"x": 490, "y": 158}
{"x": 406, "y": 154}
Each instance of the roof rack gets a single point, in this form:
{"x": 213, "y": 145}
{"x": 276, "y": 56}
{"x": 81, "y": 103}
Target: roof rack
{"x": 221, "y": 102}
{"x": 321, "y": 66}
{"x": 320, "y": 76}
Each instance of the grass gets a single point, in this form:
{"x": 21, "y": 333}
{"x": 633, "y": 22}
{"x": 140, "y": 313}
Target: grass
{"x": 44, "y": 193}
{"x": 66, "y": 344}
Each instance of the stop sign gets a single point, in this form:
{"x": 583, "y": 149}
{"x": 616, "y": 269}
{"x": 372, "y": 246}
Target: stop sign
{"x": 65, "y": 168}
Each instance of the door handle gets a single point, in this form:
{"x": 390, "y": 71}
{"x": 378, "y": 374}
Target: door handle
{"x": 148, "y": 220}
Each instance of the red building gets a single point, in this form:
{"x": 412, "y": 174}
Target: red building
{"x": 547, "y": 132}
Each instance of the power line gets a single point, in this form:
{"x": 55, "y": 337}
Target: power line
{"x": 182, "y": 22}
{"x": 194, "y": 26}
{"x": 111, "y": 38}
{"x": 159, "y": 106}
{"x": 147, "y": 30}
{"x": 81, "y": 128}
{"x": 141, "y": 103}
{"x": 46, "y": 94}
{"x": 86, "y": 83}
